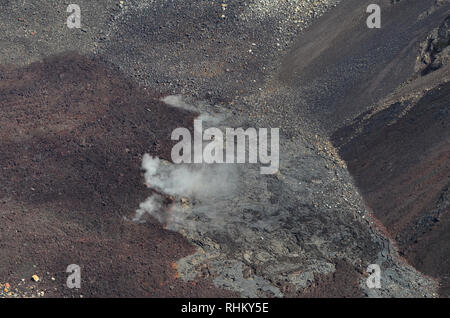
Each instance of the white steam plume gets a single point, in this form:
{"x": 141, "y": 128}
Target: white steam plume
{"x": 151, "y": 205}
{"x": 202, "y": 182}
{"x": 186, "y": 183}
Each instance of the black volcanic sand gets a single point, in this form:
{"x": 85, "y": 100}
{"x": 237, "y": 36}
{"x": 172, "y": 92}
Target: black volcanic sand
{"x": 401, "y": 165}
{"x": 345, "y": 67}
{"x": 72, "y": 133}
{"x": 399, "y": 162}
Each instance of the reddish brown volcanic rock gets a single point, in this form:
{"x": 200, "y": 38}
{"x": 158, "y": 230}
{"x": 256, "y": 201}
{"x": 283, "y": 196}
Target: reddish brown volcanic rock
{"x": 399, "y": 158}
{"x": 72, "y": 134}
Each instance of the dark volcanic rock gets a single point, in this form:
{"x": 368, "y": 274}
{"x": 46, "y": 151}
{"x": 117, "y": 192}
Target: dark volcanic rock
{"x": 435, "y": 50}
{"x": 399, "y": 157}
{"x": 73, "y": 131}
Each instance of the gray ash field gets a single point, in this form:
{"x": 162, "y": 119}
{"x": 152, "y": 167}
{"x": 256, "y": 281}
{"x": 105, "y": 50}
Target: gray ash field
{"x": 364, "y": 148}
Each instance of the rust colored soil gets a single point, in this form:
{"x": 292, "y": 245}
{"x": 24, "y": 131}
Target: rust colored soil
{"x": 399, "y": 158}
{"x": 72, "y": 133}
